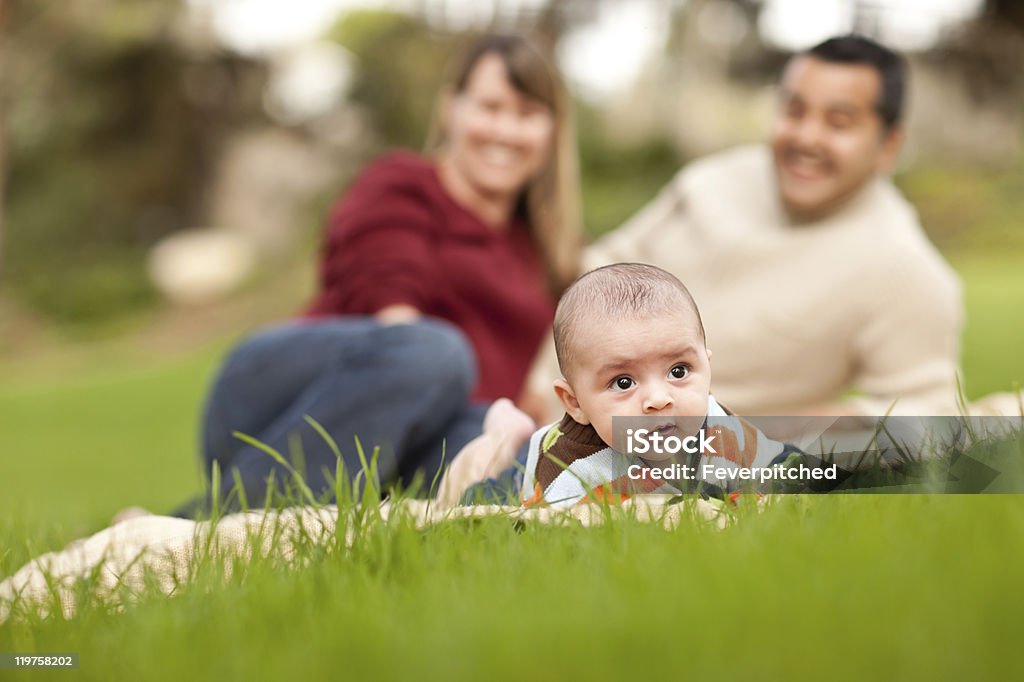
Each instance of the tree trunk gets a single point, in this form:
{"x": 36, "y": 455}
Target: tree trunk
{"x": 3, "y": 133}
{"x": 3, "y": 184}
{"x": 1009, "y": 12}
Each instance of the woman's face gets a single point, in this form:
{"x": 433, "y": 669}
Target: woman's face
{"x": 498, "y": 138}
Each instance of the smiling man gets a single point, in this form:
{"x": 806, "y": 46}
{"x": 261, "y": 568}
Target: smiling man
{"x": 838, "y": 124}
{"x": 821, "y": 292}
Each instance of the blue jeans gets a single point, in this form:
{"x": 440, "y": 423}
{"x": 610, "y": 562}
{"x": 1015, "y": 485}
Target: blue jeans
{"x": 403, "y": 389}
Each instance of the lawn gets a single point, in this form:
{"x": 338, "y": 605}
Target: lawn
{"x": 919, "y": 587}
{"x": 994, "y": 334}
{"x": 846, "y": 588}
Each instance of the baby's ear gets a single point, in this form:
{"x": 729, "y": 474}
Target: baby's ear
{"x": 567, "y": 397}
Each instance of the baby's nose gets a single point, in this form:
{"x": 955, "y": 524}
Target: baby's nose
{"x": 657, "y": 400}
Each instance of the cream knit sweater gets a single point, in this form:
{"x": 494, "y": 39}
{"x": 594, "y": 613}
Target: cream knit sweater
{"x": 800, "y": 315}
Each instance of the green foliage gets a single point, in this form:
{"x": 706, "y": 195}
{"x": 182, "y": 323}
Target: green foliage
{"x": 617, "y": 179}
{"x": 974, "y": 209}
{"x": 993, "y": 334}
{"x": 110, "y": 140}
{"x": 64, "y": 254}
{"x": 400, "y": 68}
{"x": 95, "y": 288}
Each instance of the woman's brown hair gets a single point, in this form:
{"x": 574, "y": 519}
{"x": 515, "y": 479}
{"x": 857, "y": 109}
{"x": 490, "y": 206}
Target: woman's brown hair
{"x": 551, "y": 201}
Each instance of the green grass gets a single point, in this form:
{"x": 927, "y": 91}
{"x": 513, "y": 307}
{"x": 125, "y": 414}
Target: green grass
{"x": 994, "y": 332}
{"x": 844, "y": 587}
{"x": 849, "y": 587}
{"x": 74, "y": 452}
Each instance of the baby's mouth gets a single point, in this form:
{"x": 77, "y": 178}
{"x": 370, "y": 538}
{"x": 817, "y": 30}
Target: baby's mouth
{"x": 665, "y": 430}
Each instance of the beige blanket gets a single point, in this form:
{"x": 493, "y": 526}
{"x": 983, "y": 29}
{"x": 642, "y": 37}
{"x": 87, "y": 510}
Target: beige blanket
{"x": 130, "y": 557}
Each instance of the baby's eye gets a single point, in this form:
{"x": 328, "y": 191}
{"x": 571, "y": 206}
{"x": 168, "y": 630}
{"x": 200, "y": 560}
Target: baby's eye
{"x": 622, "y": 383}
{"x": 679, "y": 372}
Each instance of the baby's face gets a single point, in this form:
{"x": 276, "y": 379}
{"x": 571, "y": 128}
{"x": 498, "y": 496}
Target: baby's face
{"x": 655, "y": 367}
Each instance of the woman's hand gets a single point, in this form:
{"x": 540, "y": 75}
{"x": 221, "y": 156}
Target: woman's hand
{"x": 400, "y": 313}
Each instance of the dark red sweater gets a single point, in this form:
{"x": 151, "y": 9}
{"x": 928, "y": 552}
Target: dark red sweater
{"x": 396, "y": 236}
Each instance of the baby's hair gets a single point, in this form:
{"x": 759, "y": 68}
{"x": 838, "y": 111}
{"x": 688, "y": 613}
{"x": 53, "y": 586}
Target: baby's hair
{"x": 615, "y": 292}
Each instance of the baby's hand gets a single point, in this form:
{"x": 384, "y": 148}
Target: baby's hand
{"x": 505, "y": 429}
{"x": 506, "y": 422}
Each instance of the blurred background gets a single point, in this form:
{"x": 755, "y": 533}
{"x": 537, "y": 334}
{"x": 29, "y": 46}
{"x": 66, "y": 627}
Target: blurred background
{"x": 166, "y": 166}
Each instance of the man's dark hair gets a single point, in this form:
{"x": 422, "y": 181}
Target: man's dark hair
{"x": 891, "y": 68}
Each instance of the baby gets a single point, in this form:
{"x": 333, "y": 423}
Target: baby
{"x": 630, "y": 344}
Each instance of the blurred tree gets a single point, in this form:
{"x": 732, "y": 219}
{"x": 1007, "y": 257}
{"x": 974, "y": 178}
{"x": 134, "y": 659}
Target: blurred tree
{"x": 721, "y": 36}
{"x": 112, "y": 125}
{"x": 986, "y": 54}
{"x": 3, "y": 135}
{"x": 618, "y": 179}
{"x": 1009, "y": 12}
{"x": 400, "y": 65}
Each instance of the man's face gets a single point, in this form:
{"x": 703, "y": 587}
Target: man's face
{"x": 828, "y": 140}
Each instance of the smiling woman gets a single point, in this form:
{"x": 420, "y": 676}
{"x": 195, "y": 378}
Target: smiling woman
{"x": 504, "y": 126}
{"x": 498, "y": 139}
{"x": 437, "y": 284}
